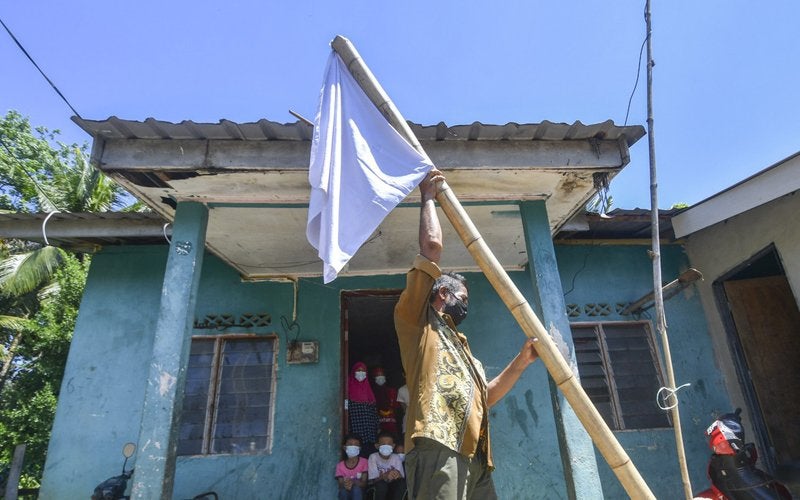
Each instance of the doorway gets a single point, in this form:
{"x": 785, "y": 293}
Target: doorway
{"x": 368, "y": 336}
{"x": 763, "y": 325}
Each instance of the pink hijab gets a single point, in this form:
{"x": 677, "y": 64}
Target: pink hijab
{"x": 359, "y": 392}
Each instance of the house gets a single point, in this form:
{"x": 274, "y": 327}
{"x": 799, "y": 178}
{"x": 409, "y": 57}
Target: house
{"x": 746, "y": 241}
{"x": 210, "y": 313}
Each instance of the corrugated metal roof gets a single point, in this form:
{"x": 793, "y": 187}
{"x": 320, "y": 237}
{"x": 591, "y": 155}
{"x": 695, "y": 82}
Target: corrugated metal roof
{"x": 265, "y": 130}
{"x": 622, "y": 224}
{"x": 86, "y": 229}
{"x": 81, "y": 216}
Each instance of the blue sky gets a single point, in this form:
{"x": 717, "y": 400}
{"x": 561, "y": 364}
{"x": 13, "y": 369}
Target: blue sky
{"x": 726, "y": 82}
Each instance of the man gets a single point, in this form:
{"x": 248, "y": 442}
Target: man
{"x": 448, "y": 452}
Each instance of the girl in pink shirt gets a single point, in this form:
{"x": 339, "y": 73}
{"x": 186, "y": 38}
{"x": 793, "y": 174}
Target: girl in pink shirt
{"x": 351, "y": 473}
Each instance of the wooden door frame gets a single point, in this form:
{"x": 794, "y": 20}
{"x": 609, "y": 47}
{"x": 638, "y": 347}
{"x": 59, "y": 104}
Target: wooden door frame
{"x": 758, "y": 423}
{"x": 344, "y": 341}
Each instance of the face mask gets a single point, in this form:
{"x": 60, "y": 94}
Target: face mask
{"x": 402, "y": 456}
{"x": 352, "y": 451}
{"x": 380, "y": 380}
{"x": 361, "y": 376}
{"x": 385, "y": 449}
{"x": 457, "y": 309}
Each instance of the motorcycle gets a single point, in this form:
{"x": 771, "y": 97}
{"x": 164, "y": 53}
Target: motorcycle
{"x": 114, "y": 488}
{"x": 732, "y": 467}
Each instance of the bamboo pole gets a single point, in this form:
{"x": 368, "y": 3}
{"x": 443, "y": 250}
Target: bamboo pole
{"x": 658, "y": 297}
{"x": 554, "y": 361}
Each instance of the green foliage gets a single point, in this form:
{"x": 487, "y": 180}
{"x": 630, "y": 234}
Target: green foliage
{"x": 25, "y": 272}
{"x": 29, "y": 395}
{"x": 40, "y": 174}
{"x": 40, "y": 286}
{"x": 28, "y": 422}
{"x": 680, "y": 205}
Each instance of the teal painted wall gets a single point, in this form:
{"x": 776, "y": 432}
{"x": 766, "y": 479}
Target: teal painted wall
{"x": 104, "y": 380}
{"x": 99, "y": 407}
{"x": 623, "y": 274}
{"x": 523, "y": 430}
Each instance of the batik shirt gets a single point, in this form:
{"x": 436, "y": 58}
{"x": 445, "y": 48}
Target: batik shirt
{"x": 447, "y": 386}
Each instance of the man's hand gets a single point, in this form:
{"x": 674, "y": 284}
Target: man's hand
{"x": 528, "y": 354}
{"x": 348, "y": 484}
{"x": 503, "y": 383}
{"x": 428, "y": 185}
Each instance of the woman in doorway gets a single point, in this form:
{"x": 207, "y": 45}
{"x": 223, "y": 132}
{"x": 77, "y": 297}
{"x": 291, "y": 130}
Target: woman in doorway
{"x": 363, "y": 416}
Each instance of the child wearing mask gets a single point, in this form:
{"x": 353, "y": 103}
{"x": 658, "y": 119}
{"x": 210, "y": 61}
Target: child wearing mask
{"x": 400, "y": 451}
{"x": 386, "y": 472}
{"x": 351, "y": 473}
{"x": 385, "y": 401}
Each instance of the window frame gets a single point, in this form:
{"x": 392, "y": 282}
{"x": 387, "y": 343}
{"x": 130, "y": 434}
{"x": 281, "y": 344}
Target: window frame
{"x": 658, "y": 364}
{"x": 214, "y": 392}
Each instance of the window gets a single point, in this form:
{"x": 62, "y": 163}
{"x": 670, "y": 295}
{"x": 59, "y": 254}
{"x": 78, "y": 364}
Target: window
{"x": 229, "y": 394}
{"x": 619, "y": 370}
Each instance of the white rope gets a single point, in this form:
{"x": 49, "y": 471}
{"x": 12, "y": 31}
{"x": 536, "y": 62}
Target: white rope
{"x": 670, "y": 394}
{"x": 164, "y": 230}
{"x": 44, "y": 226}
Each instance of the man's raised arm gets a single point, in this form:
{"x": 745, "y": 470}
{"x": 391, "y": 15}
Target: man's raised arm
{"x": 430, "y": 231}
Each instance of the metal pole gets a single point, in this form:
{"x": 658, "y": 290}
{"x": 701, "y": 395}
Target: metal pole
{"x": 658, "y": 297}
{"x": 554, "y": 361}
{"x": 12, "y": 482}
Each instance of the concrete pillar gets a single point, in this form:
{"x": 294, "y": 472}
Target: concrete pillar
{"x": 155, "y": 459}
{"x": 577, "y": 452}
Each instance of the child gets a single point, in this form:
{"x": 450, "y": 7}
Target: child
{"x": 386, "y": 472}
{"x": 351, "y": 473}
{"x": 385, "y": 401}
{"x": 400, "y": 451}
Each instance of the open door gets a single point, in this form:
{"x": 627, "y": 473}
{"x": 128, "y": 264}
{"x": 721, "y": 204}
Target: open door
{"x": 368, "y": 335}
{"x": 765, "y": 321}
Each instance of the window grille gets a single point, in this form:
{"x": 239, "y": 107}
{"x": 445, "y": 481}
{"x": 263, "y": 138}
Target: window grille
{"x": 229, "y": 395}
{"x": 620, "y": 372}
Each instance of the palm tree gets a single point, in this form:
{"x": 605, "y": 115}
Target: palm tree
{"x": 40, "y": 174}
{"x": 35, "y": 176}
{"x": 15, "y": 325}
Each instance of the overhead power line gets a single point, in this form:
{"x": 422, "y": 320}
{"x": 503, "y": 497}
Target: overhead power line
{"x": 638, "y": 72}
{"x": 40, "y": 69}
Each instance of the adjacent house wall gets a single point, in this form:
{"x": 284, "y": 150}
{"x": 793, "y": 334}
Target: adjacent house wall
{"x": 103, "y": 389}
{"x": 604, "y": 274}
{"x": 719, "y": 248}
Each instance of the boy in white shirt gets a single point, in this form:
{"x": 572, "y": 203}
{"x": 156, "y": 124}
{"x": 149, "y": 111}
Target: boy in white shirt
{"x": 385, "y": 470}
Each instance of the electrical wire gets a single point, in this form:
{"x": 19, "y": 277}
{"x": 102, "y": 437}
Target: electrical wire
{"x": 579, "y": 271}
{"x": 636, "y": 83}
{"x": 40, "y": 69}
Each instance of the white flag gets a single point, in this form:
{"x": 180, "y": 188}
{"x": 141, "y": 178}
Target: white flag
{"x": 360, "y": 169}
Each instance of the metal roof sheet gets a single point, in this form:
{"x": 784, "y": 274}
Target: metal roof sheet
{"x": 86, "y": 229}
{"x": 137, "y": 228}
{"x": 266, "y": 130}
{"x": 621, "y": 224}
{"x": 488, "y": 165}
